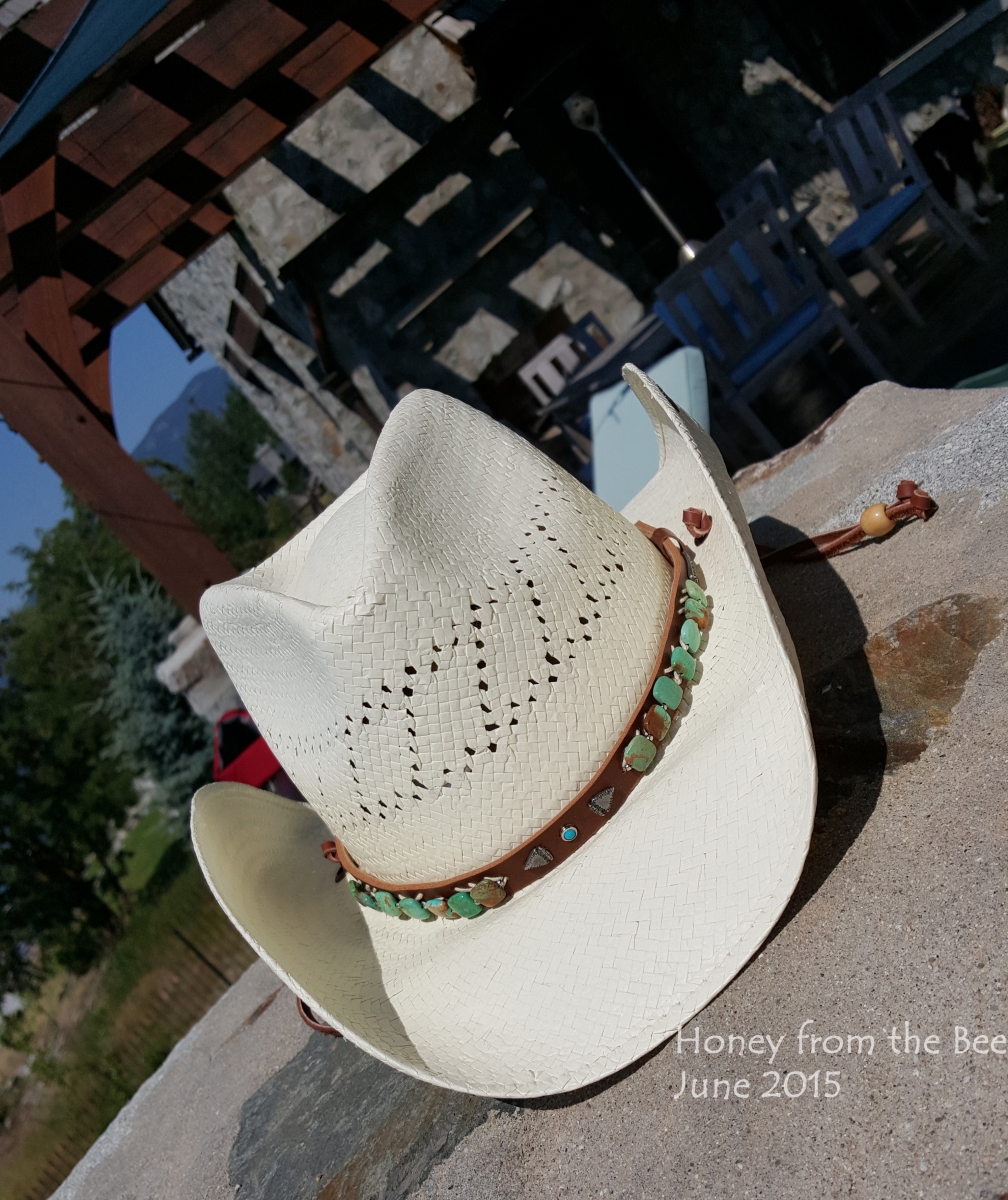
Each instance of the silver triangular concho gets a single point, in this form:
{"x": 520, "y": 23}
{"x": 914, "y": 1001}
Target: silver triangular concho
{"x": 538, "y": 857}
{"x": 602, "y": 802}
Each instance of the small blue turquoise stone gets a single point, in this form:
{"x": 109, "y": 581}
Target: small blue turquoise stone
{"x": 684, "y": 663}
{"x": 689, "y": 636}
{"x": 463, "y": 904}
{"x": 695, "y": 592}
{"x": 387, "y": 903}
{"x": 413, "y": 908}
{"x": 568, "y": 833}
{"x": 667, "y": 692}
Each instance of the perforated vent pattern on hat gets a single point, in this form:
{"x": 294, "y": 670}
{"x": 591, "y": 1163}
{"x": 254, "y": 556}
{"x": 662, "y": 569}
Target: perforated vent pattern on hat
{"x": 441, "y": 697}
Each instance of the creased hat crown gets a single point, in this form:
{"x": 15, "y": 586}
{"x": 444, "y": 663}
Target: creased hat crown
{"x": 445, "y": 657}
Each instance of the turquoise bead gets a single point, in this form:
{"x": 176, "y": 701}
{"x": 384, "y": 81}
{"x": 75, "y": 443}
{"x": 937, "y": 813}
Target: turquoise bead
{"x": 689, "y": 635}
{"x": 667, "y": 692}
{"x": 488, "y": 892}
{"x": 695, "y": 592}
{"x": 413, "y": 908}
{"x": 387, "y": 903}
{"x": 437, "y": 907}
{"x": 693, "y": 608}
{"x": 639, "y": 754}
{"x": 684, "y": 663}
{"x": 364, "y": 899}
{"x": 657, "y": 723}
{"x": 463, "y": 904}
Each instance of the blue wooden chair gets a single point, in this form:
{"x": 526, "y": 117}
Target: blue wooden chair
{"x": 891, "y": 191}
{"x": 764, "y": 182}
{"x": 753, "y": 305}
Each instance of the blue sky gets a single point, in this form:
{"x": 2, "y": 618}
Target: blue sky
{"x": 148, "y": 372}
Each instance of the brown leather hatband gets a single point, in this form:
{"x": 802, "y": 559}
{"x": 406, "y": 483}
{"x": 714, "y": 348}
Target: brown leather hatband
{"x": 590, "y": 809}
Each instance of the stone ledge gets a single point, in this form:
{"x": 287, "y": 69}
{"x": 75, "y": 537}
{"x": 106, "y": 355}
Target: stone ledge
{"x": 900, "y": 916}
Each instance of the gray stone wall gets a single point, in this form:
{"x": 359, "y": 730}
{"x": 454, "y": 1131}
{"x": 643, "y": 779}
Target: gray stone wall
{"x": 330, "y": 164}
{"x": 333, "y": 442}
{"x": 348, "y": 138}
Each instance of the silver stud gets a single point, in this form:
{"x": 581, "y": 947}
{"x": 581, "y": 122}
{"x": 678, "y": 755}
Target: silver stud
{"x": 602, "y": 802}
{"x": 538, "y": 857}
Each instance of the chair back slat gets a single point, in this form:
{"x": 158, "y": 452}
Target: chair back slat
{"x": 779, "y": 280}
{"x": 879, "y": 149}
{"x": 747, "y": 282}
{"x": 864, "y": 183}
{"x": 912, "y": 170}
{"x": 708, "y": 325}
{"x": 741, "y": 284}
{"x": 860, "y": 136}
{"x": 762, "y": 183}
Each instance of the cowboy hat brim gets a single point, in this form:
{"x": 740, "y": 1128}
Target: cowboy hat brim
{"x": 595, "y": 964}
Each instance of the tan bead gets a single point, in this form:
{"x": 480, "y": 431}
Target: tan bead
{"x": 657, "y": 723}
{"x": 488, "y": 892}
{"x": 875, "y": 523}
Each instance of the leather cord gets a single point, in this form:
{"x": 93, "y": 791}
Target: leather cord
{"x": 313, "y": 1023}
{"x": 698, "y": 523}
{"x": 911, "y": 502}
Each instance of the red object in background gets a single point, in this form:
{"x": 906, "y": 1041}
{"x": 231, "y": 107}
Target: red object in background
{"x": 242, "y": 756}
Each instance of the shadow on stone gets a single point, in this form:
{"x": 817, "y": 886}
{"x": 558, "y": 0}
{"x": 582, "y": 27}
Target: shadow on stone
{"x": 336, "y": 1124}
{"x": 844, "y": 706}
{"x": 874, "y": 703}
{"x": 581, "y": 1095}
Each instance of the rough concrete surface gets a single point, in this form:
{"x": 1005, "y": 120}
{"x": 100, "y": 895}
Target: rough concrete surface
{"x": 897, "y": 931}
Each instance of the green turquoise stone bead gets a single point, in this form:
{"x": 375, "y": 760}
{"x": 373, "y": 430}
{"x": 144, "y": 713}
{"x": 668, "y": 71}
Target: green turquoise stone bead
{"x": 488, "y": 892}
{"x": 693, "y": 608}
{"x": 695, "y": 592}
{"x": 657, "y": 723}
{"x": 667, "y": 692}
{"x": 639, "y": 754}
{"x": 364, "y": 899}
{"x": 684, "y": 663}
{"x": 387, "y": 903}
{"x": 413, "y": 908}
{"x": 438, "y": 907}
{"x": 689, "y": 635}
{"x": 464, "y": 905}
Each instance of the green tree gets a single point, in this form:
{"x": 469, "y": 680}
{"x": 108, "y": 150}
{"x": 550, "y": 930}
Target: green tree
{"x": 214, "y": 491}
{"x": 81, "y": 714}
{"x": 62, "y": 794}
{"x": 155, "y": 732}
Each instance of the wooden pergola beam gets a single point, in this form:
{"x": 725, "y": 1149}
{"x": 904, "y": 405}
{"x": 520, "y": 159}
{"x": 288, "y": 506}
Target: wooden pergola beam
{"x": 65, "y": 432}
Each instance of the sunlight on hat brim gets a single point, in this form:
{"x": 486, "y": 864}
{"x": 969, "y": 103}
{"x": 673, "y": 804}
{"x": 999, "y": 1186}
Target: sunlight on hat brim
{"x": 600, "y": 961}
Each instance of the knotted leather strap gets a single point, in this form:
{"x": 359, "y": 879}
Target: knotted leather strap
{"x": 911, "y": 502}
{"x": 698, "y": 523}
{"x": 511, "y": 870}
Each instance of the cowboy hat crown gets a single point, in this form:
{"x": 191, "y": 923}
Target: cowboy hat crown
{"x": 442, "y": 669}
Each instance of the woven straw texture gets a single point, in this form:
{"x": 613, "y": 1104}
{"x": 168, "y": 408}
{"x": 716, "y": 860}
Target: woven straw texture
{"x": 599, "y": 961}
{"x": 443, "y": 664}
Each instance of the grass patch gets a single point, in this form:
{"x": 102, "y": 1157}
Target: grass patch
{"x": 145, "y": 845}
{"x": 152, "y": 989}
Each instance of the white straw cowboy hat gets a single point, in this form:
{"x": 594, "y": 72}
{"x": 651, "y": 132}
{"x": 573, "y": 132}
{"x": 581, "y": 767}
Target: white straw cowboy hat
{"x": 451, "y": 663}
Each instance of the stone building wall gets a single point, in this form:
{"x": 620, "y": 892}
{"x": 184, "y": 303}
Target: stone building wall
{"x": 332, "y": 442}
{"x": 326, "y": 164}
{"x": 289, "y": 206}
